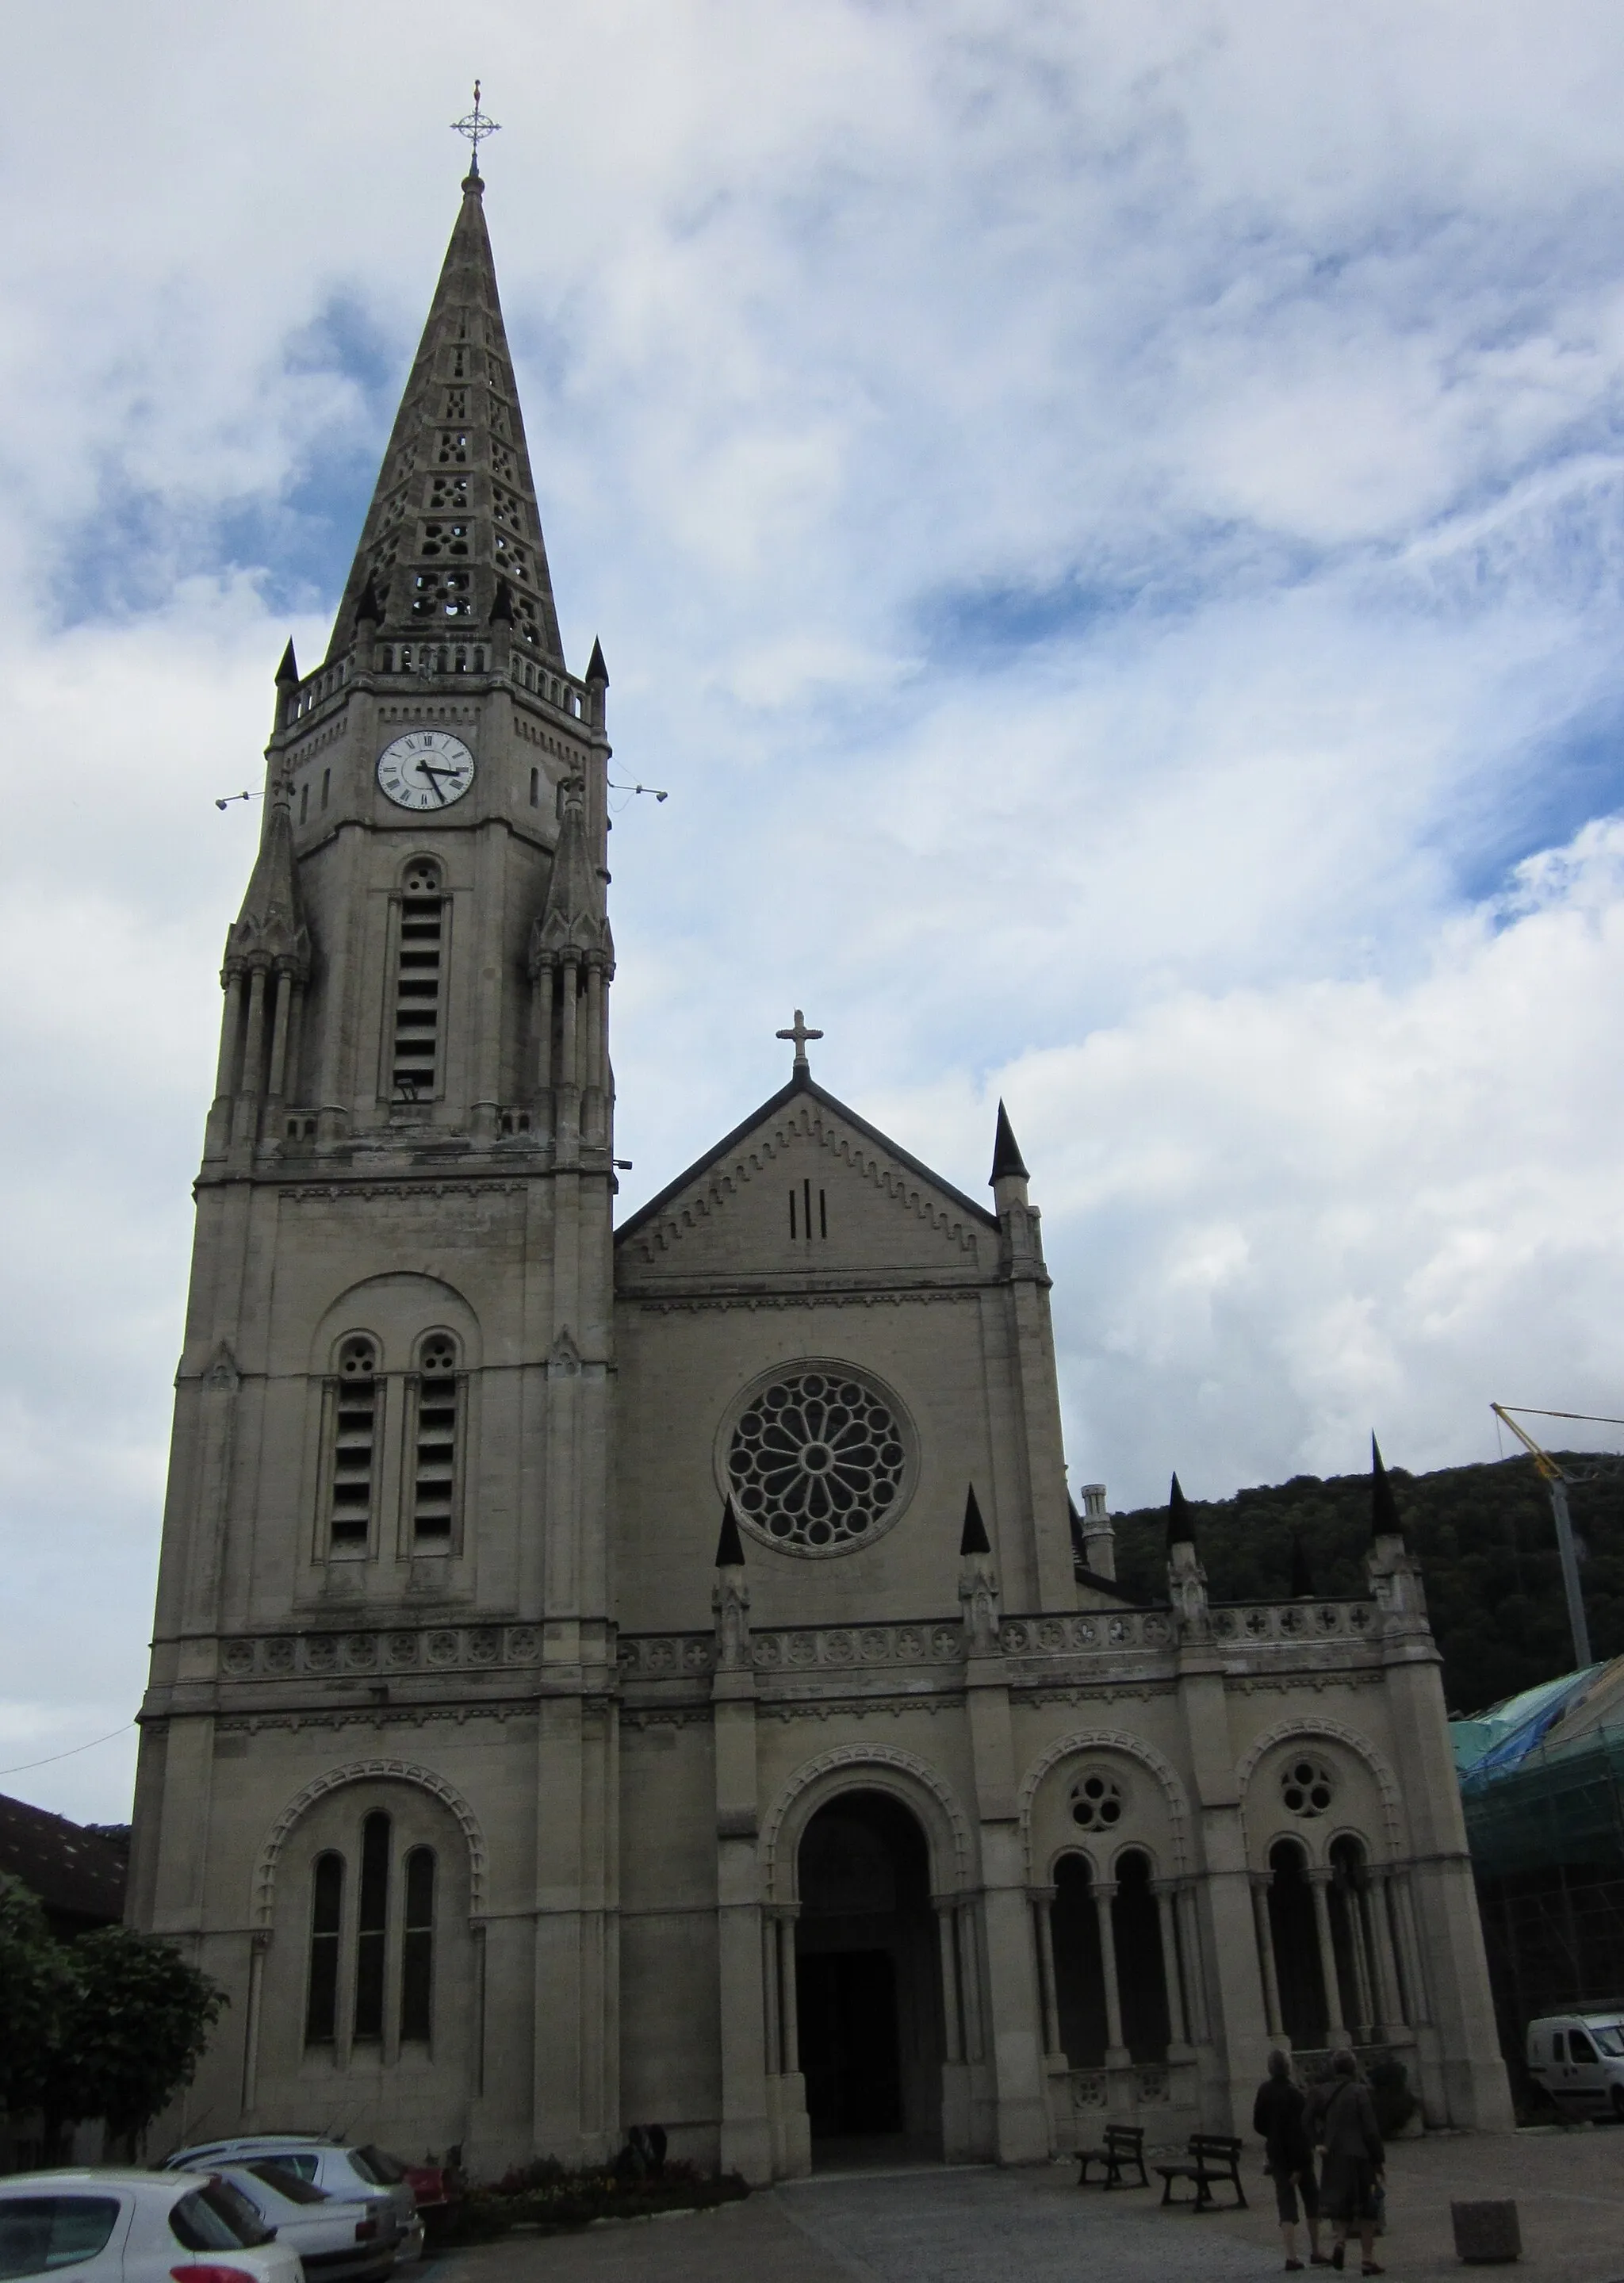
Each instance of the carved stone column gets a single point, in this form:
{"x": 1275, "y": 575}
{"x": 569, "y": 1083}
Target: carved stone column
{"x": 1195, "y": 1990}
{"x": 969, "y": 1969}
{"x": 787, "y": 1914}
{"x": 1041, "y": 1899}
{"x": 1389, "y": 1996}
{"x": 1363, "y": 1984}
{"x": 1117, "y": 2055}
{"x": 1261, "y": 1882}
{"x": 1178, "y": 2018}
{"x": 946, "y": 1907}
{"x": 1336, "y": 2029}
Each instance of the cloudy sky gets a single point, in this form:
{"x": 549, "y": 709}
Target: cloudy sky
{"x": 1109, "y": 522}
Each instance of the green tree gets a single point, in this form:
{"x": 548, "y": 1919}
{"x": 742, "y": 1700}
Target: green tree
{"x": 131, "y": 2034}
{"x": 38, "y": 1988}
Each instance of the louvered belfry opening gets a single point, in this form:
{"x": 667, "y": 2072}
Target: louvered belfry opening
{"x": 434, "y": 1459}
{"x": 355, "y": 1445}
{"x": 415, "y": 1065}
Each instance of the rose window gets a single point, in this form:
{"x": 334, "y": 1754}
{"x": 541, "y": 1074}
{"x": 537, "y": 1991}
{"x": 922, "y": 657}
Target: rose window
{"x": 1307, "y": 1787}
{"x": 1097, "y": 1802}
{"x": 817, "y": 1461}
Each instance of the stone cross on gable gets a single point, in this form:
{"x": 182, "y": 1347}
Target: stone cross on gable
{"x": 801, "y": 1034}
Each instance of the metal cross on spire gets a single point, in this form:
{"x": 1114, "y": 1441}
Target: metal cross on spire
{"x": 476, "y": 126}
{"x": 801, "y": 1034}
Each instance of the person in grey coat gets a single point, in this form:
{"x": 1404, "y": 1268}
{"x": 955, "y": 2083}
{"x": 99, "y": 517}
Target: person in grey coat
{"x": 1356, "y": 2160}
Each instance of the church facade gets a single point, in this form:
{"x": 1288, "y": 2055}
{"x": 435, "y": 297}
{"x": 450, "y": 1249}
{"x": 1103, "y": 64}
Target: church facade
{"x": 657, "y": 1675}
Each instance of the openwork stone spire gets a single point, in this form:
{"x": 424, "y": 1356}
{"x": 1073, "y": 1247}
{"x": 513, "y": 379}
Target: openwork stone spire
{"x": 452, "y": 542}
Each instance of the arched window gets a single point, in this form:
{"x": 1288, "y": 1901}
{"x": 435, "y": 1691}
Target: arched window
{"x": 1350, "y": 1935}
{"x": 372, "y": 1926}
{"x": 1141, "y": 1980}
{"x": 436, "y": 1444}
{"x": 414, "y": 1054}
{"x": 1303, "y": 2009}
{"x": 326, "y": 1926}
{"x": 418, "y": 1949}
{"x": 352, "y": 1472}
{"x": 1079, "y": 1974}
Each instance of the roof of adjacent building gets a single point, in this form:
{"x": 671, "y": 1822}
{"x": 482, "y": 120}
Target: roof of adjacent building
{"x": 74, "y": 1871}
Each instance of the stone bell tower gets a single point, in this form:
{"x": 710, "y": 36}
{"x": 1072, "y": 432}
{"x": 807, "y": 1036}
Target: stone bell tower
{"x": 385, "y": 1537}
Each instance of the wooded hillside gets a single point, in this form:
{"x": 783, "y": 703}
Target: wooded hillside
{"x": 1485, "y": 1540}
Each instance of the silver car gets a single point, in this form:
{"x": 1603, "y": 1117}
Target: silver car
{"x": 342, "y": 2168}
{"x": 102, "y": 2225}
{"x": 340, "y": 2239}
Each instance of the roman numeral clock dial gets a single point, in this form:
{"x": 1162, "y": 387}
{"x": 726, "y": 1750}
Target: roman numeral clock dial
{"x": 426, "y": 769}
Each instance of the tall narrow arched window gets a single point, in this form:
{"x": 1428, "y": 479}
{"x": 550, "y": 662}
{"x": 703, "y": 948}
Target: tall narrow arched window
{"x": 1304, "y": 1999}
{"x": 326, "y": 1927}
{"x": 1350, "y": 1935}
{"x": 418, "y": 1949}
{"x": 1080, "y": 1973}
{"x": 353, "y": 1465}
{"x": 1141, "y": 1976}
{"x": 436, "y": 1444}
{"x": 417, "y": 1031}
{"x": 372, "y": 1926}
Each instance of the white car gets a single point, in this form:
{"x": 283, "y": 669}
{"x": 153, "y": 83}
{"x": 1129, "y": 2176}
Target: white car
{"x": 340, "y": 2167}
{"x": 1579, "y": 2059}
{"x": 99, "y": 2225}
{"x": 340, "y": 2239}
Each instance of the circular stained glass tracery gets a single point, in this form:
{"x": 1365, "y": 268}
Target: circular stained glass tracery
{"x": 817, "y": 1461}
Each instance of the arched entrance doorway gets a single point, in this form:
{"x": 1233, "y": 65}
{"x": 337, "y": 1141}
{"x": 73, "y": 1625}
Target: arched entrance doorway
{"x": 868, "y": 1980}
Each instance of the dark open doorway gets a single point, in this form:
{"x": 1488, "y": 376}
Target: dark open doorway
{"x": 868, "y": 1982}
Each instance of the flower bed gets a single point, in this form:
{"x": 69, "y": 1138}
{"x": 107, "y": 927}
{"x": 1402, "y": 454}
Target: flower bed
{"x": 544, "y": 2198}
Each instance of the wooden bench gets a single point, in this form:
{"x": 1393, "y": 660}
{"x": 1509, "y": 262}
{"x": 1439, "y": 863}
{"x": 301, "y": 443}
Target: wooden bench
{"x": 1212, "y": 2156}
{"x": 1124, "y": 2145}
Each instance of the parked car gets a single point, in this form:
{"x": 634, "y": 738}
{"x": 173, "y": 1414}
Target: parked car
{"x": 340, "y": 2239}
{"x": 1579, "y": 2059}
{"x": 102, "y": 2225}
{"x": 440, "y": 2191}
{"x": 341, "y": 2166}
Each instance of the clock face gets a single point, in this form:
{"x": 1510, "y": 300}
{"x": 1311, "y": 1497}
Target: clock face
{"x": 426, "y": 769}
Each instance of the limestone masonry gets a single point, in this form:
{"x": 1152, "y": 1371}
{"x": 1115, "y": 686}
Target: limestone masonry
{"x": 657, "y": 1675}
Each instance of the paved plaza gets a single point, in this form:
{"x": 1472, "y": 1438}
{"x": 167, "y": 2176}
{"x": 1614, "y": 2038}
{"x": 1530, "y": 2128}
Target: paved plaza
{"x": 979, "y": 2225}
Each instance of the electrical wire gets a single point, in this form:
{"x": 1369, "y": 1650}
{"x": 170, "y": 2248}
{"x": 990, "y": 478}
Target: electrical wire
{"x": 72, "y": 1749}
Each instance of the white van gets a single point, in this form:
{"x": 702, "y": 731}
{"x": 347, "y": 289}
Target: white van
{"x": 1579, "y": 2059}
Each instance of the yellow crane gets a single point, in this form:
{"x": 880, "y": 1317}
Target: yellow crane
{"x": 1552, "y": 1472}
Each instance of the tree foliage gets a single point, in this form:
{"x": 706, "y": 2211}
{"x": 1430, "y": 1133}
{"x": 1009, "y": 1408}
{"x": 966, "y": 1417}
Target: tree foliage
{"x": 1485, "y": 1540}
{"x": 36, "y": 1991}
{"x": 112, "y": 2024}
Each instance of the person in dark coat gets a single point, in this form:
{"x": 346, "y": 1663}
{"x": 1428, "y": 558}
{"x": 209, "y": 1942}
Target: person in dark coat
{"x": 1278, "y": 2115}
{"x": 1356, "y": 2160}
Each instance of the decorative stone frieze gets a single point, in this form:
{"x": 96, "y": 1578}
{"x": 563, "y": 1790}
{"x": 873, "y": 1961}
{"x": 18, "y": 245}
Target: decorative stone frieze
{"x": 433, "y": 1648}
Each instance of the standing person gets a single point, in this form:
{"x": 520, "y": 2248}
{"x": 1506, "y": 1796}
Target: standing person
{"x": 1278, "y": 2115}
{"x": 1355, "y": 2161}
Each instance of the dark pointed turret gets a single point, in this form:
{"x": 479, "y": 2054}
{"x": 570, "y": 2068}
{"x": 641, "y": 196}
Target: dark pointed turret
{"x": 1007, "y": 1159}
{"x": 454, "y": 519}
{"x": 729, "y": 1546}
{"x": 1181, "y": 1519}
{"x": 574, "y": 917}
{"x": 270, "y": 930}
{"x": 287, "y": 673}
{"x": 597, "y": 673}
{"x": 973, "y": 1538}
{"x": 1385, "y": 1521}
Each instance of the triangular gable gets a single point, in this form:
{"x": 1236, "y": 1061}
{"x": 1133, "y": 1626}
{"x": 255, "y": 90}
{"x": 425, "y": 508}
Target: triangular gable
{"x": 803, "y": 1114}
